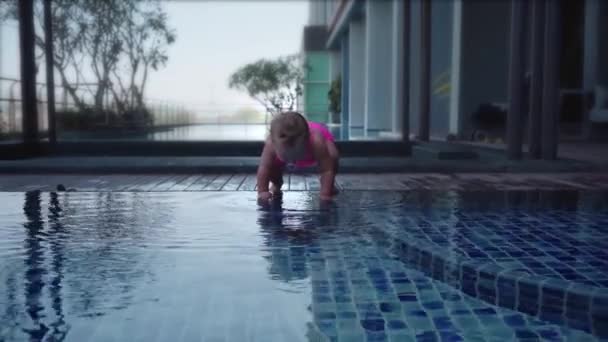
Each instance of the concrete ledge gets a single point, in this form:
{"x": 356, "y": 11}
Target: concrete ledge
{"x": 156, "y": 165}
{"x": 443, "y": 151}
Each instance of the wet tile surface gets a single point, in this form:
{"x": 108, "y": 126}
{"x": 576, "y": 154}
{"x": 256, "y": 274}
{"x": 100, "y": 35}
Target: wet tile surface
{"x": 305, "y": 182}
{"x": 192, "y": 266}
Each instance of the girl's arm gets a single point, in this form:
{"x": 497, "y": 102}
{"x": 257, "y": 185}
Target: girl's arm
{"x": 264, "y": 169}
{"x": 326, "y": 154}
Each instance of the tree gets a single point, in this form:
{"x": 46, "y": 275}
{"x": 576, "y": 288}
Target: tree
{"x": 276, "y": 84}
{"x": 116, "y": 41}
{"x": 146, "y": 36}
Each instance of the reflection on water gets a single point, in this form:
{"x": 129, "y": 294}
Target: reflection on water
{"x": 288, "y": 233}
{"x": 152, "y": 266}
{"x": 75, "y": 260}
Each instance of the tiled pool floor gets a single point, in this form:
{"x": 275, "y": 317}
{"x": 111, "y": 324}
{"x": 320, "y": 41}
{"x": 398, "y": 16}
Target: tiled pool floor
{"x": 214, "y": 266}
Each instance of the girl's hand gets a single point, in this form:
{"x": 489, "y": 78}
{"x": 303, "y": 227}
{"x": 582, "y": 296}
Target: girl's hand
{"x": 264, "y": 196}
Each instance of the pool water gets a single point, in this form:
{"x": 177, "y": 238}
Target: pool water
{"x": 372, "y": 266}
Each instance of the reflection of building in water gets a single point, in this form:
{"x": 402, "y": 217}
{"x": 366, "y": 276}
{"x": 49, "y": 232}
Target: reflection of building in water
{"x": 88, "y": 260}
{"x": 287, "y": 243}
{"x": 289, "y": 235}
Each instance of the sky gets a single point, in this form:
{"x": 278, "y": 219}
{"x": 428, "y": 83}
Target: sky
{"x": 214, "y": 38}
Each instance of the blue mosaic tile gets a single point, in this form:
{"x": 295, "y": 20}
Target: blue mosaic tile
{"x": 325, "y": 316}
{"x": 464, "y": 312}
{"x": 450, "y": 336}
{"x": 443, "y": 323}
{"x": 364, "y": 288}
{"x": 373, "y": 324}
{"x": 327, "y": 327}
{"x": 408, "y": 297}
{"x": 417, "y": 313}
{"x": 390, "y": 307}
{"x": 427, "y": 336}
{"x": 526, "y": 334}
{"x": 397, "y": 325}
{"x": 600, "y": 324}
{"x": 433, "y": 305}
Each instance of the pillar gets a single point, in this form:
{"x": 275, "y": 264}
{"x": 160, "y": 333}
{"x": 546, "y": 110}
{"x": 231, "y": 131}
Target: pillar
{"x": 397, "y": 65}
{"x": 344, "y": 50}
{"x": 454, "y": 124}
{"x": 425, "y": 71}
{"x": 551, "y": 60}
{"x": 378, "y": 67}
{"x": 591, "y": 60}
{"x": 602, "y": 45}
{"x": 28, "y": 72}
{"x": 516, "y": 84}
{"x": 50, "y": 80}
{"x": 356, "y": 86}
{"x": 404, "y": 95}
{"x": 536, "y": 81}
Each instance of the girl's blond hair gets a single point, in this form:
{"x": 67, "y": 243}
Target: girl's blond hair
{"x": 288, "y": 127}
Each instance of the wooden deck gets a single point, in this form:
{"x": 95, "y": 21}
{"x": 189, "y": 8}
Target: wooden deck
{"x": 247, "y": 182}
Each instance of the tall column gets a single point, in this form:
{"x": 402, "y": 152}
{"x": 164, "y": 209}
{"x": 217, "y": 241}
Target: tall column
{"x": 602, "y": 45}
{"x": 549, "y": 125}
{"x": 356, "y": 86}
{"x": 591, "y": 57}
{"x": 397, "y": 66}
{"x": 28, "y": 72}
{"x": 404, "y": 105}
{"x": 454, "y": 125}
{"x": 424, "y": 124}
{"x": 50, "y": 80}
{"x": 536, "y": 82}
{"x": 516, "y": 84}
{"x": 378, "y": 67}
{"x": 345, "y": 88}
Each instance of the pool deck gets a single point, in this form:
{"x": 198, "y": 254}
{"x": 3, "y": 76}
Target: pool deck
{"x": 142, "y": 182}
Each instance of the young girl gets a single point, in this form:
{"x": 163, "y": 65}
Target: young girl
{"x": 294, "y": 140}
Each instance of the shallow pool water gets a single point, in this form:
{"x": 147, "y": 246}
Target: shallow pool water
{"x": 219, "y": 267}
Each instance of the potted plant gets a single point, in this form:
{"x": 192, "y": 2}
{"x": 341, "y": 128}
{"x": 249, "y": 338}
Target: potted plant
{"x": 335, "y": 100}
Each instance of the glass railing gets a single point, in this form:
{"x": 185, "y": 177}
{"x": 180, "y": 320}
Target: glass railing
{"x": 170, "y": 71}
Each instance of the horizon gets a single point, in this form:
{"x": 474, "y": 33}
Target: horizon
{"x": 204, "y": 55}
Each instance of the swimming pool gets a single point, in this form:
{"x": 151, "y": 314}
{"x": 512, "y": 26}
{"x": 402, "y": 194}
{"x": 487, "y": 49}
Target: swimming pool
{"x": 373, "y": 266}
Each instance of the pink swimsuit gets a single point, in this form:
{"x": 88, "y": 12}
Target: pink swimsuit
{"x": 309, "y": 159}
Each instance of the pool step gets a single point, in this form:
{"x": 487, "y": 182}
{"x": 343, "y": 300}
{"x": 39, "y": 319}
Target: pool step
{"x": 577, "y": 306}
{"x": 573, "y": 303}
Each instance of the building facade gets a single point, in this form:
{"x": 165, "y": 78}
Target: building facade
{"x": 464, "y": 52}
{"x": 317, "y": 81}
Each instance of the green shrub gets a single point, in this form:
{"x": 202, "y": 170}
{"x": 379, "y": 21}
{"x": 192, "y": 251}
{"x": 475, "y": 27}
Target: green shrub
{"x": 335, "y": 99}
{"x": 91, "y": 119}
